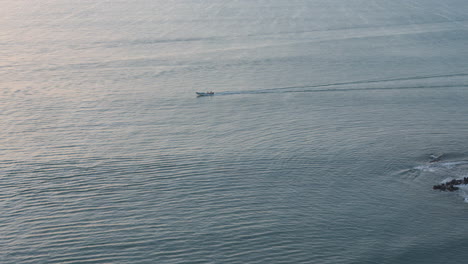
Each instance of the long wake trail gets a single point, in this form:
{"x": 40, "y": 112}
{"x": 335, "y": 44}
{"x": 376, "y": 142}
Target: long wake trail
{"x": 307, "y": 88}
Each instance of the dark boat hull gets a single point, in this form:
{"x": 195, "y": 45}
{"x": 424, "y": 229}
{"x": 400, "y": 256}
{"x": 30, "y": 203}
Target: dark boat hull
{"x": 204, "y": 93}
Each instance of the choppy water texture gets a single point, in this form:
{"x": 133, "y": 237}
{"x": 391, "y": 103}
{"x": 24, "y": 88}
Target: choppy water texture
{"x": 314, "y": 149}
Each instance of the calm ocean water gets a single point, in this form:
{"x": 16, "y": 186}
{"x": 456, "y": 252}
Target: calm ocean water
{"x": 314, "y": 149}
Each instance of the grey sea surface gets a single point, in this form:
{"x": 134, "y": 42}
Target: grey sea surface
{"x": 315, "y": 148}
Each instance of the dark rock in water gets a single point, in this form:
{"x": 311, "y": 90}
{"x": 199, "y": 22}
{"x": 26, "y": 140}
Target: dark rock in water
{"x": 450, "y": 186}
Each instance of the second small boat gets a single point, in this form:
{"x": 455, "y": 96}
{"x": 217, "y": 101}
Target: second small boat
{"x": 204, "y": 93}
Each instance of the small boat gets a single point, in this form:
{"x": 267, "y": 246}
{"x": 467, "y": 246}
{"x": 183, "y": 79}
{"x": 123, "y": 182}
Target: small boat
{"x": 204, "y": 93}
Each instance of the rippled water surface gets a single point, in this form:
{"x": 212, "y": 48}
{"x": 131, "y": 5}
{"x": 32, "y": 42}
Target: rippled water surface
{"x": 315, "y": 147}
